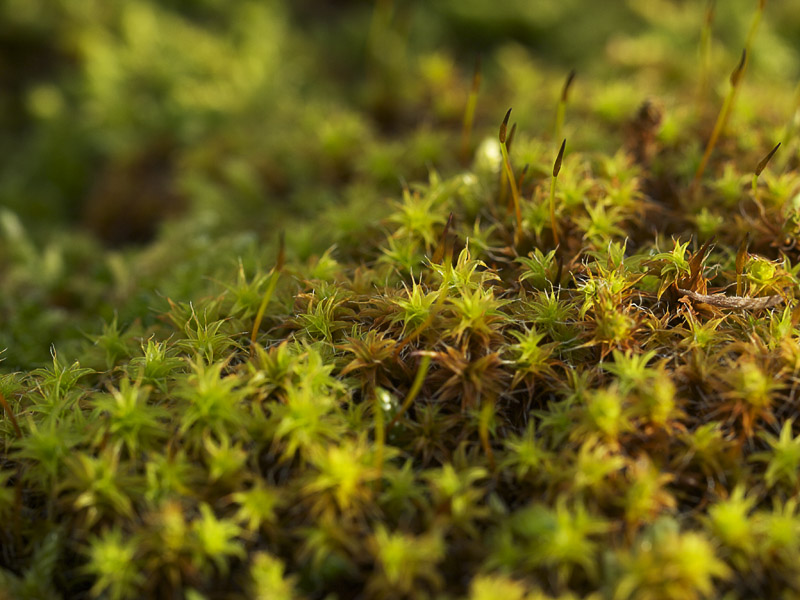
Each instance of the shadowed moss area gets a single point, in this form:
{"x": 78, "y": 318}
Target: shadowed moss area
{"x": 290, "y": 310}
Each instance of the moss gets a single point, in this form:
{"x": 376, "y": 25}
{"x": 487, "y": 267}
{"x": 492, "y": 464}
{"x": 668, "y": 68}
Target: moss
{"x": 296, "y": 323}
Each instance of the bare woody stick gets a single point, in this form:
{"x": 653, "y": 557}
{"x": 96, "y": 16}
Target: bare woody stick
{"x": 734, "y": 302}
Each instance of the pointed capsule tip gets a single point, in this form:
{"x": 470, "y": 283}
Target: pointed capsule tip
{"x": 765, "y": 161}
{"x": 737, "y": 72}
{"x": 559, "y": 158}
{"x": 567, "y": 85}
{"x": 503, "y": 127}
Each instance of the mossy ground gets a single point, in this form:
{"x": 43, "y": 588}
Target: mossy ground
{"x": 470, "y": 369}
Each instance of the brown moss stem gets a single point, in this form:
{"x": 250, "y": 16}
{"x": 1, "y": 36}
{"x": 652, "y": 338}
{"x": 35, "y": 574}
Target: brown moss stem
{"x": 512, "y": 182}
{"x": 10, "y": 413}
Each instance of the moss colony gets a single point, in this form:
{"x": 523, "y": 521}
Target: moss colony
{"x": 555, "y": 360}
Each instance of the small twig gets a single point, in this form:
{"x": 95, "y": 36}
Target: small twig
{"x": 723, "y": 301}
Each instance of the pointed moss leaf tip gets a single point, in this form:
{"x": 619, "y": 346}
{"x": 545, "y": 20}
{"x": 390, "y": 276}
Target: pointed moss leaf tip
{"x": 567, "y": 85}
{"x": 765, "y": 161}
{"x": 696, "y": 261}
{"x": 737, "y": 72}
{"x": 503, "y": 127}
{"x": 559, "y": 158}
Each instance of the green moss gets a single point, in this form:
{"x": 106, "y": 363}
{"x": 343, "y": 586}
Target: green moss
{"x": 459, "y": 376}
